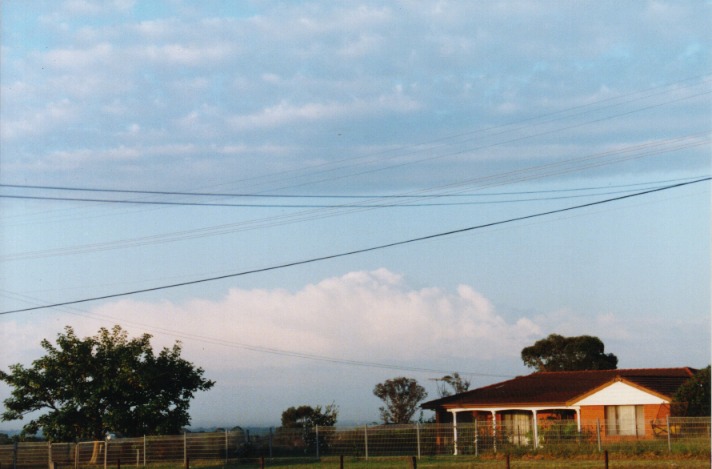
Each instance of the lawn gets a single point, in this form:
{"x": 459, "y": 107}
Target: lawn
{"x": 463, "y": 462}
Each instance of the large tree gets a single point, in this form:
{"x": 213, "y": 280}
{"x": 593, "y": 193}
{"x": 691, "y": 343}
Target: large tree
{"x": 306, "y": 418}
{"x": 692, "y": 399}
{"x": 559, "y": 353}
{"x": 401, "y": 396}
{"x": 105, "y": 383}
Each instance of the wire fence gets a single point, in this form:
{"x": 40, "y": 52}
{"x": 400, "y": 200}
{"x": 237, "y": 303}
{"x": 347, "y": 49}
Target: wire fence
{"x": 563, "y": 437}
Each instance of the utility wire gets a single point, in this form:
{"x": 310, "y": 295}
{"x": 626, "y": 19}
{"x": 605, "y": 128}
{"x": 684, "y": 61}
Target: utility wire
{"x": 357, "y": 251}
{"x": 519, "y": 175}
{"x": 361, "y": 205}
{"x": 317, "y": 196}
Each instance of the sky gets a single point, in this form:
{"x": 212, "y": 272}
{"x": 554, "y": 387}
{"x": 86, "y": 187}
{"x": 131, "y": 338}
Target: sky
{"x": 321, "y": 196}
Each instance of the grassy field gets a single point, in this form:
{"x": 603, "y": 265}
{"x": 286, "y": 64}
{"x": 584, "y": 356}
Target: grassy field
{"x": 463, "y": 462}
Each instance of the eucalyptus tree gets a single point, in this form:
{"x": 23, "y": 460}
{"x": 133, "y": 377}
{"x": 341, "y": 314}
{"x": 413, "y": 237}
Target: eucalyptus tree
{"x": 103, "y": 384}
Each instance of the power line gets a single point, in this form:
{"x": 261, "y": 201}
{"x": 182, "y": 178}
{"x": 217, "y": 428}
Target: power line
{"x": 566, "y": 166}
{"x": 314, "y": 196}
{"x": 357, "y": 251}
{"x": 362, "y": 205}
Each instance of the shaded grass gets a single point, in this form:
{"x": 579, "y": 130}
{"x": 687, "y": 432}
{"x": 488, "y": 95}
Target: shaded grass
{"x": 645, "y": 460}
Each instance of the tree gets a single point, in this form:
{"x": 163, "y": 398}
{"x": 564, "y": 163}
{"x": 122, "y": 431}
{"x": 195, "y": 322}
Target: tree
{"x": 692, "y": 399}
{"x": 558, "y": 353}
{"x": 401, "y": 396}
{"x": 307, "y": 418}
{"x": 101, "y": 384}
{"x": 452, "y": 384}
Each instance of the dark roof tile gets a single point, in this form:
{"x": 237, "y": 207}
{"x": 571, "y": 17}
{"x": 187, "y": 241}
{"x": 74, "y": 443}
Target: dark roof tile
{"x": 558, "y": 388}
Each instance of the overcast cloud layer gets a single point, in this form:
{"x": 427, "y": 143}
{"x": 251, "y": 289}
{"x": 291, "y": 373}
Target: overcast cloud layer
{"x": 331, "y": 127}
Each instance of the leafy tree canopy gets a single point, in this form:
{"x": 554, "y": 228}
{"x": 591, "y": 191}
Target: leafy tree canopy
{"x": 308, "y": 416}
{"x": 101, "y": 384}
{"x": 401, "y": 396}
{"x": 693, "y": 397}
{"x": 305, "y": 418}
{"x": 559, "y": 353}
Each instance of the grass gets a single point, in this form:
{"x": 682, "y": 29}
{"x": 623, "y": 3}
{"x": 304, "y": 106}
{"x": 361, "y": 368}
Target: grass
{"x": 649, "y": 460}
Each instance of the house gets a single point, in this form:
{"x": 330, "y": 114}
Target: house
{"x": 622, "y": 403}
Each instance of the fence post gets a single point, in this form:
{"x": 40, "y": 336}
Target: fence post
{"x": 106, "y": 452}
{"x": 14, "y": 455}
{"x": 271, "y": 441}
{"x": 667, "y": 422}
{"x": 144, "y": 450}
{"x": 598, "y": 433}
{"x": 316, "y": 427}
{"x": 185, "y": 448}
{"x": 477, "y": 438}
{"x": 226, "y": 446}
{"x": 365, "y": 438}
{"x": 417, "y": 436}
{"x": 494, "y": 431}
{"x": 49, "y": 455}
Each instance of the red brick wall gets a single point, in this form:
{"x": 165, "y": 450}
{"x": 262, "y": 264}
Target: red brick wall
{"x": 590, "y": 414}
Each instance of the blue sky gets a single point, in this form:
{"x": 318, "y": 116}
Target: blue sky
{"x": 329, "y": 127}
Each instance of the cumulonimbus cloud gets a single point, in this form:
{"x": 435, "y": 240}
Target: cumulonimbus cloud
{"x": 367, "y": 316}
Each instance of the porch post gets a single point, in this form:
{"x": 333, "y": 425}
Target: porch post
{"x": 536, "y": 429}
{"x": 578, "y": 418}
{"x": 454, "y": 432}
{"x": 494, "y": 430}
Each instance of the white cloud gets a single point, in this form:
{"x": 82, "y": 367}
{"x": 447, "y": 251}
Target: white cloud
{"x": 53, "y": 115}
{"x": 80, "y": 58}
{"x": 186, "y": 54}
{"x": 285, "y": 113}
{"x": 368, "y": 316}
{"x": 88, "y": 7}
{"x": 365, "y": 316}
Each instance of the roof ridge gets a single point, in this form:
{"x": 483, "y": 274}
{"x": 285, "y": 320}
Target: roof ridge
{"x": 615, "y": 370}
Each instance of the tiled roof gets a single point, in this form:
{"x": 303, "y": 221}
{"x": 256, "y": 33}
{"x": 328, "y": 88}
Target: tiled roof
{"x": 561, "y": 387}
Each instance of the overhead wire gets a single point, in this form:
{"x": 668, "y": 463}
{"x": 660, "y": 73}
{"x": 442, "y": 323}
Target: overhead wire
{"x": 320, "y": 196}
{"x": 354, "y": 252}
{"x": 313, "y": 205}
{"x": 519, "y": 175}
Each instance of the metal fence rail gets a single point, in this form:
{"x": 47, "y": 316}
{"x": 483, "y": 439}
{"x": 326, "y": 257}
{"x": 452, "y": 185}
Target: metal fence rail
{"x": 476, "y": 438}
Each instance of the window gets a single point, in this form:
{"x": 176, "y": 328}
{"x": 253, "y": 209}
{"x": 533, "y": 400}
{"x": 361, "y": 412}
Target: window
{"x": 625, "y": 420}
{"x": 518, "y": 427}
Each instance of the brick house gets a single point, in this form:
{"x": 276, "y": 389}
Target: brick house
{"x": 624, "y": 403}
